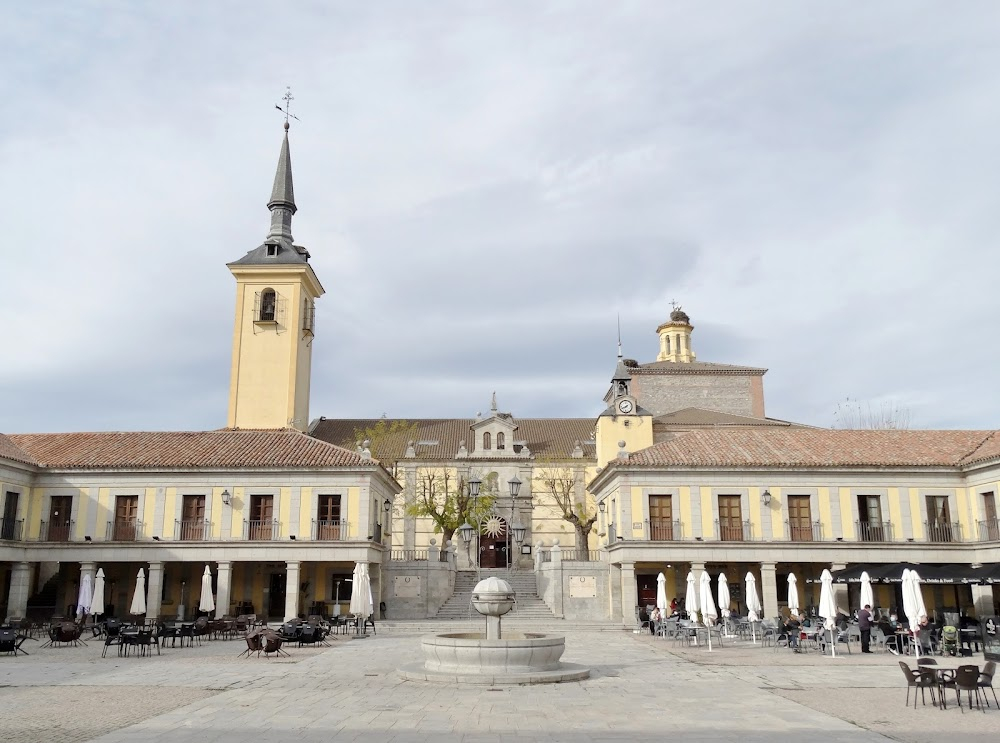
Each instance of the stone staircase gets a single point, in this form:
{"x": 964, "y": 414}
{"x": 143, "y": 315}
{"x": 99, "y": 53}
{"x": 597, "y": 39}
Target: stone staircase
{"x": 528, "y": 607}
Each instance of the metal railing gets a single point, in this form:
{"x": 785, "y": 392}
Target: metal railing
{"x": 124, "y": 530}
{"x": 734, "y": 532}
{"x": 50, "y": 532}
{"x": 329, "y": 530}
{"x": 989, "y": 530}
{"x": 408, "y": 555}
{"x": 943, "y": 531}
{"x": 874, "y": 531}
{"x": 11, "y": 529}
{"x": 805, "y": 532}
{"x": 664, "y": 530}
{"x": 260, "y": 530}
{"x": 581, "y": 555}
{"x": 192, "y": 530}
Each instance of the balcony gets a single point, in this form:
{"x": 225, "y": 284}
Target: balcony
{"x": 989, "y": 530}
{"x": 943, "y": 531}
{"x": 329, "y": 530}
{"x": 192, "y": 530}
{"x": 734, "y": 531}
{"x": 664, "y": 530}
{"x": 11, "y": 529}
{"x": 124, "y": 530}
{"x": 874, "y": 531}
{"x": 260, "y": 530}
{"x": 808, "y": 532}
{"x": 58, "y": 532}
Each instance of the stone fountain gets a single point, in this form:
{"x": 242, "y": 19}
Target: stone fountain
{"x": 494, "y": 658}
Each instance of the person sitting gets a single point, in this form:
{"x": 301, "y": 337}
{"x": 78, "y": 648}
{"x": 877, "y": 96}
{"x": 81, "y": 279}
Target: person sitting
{"x": 654, "y": 620}
{"x": 792, "y": 629}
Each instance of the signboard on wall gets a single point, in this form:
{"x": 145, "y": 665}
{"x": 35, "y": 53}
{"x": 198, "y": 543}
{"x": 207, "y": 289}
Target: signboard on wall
{"x": 991, "y": 638}
{"x": 583, "y": 587}
{"x": 407, "y": 586}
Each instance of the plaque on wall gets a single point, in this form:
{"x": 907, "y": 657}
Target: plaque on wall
{"x": 407, "y": 586}
{"x": 583, "y": 587}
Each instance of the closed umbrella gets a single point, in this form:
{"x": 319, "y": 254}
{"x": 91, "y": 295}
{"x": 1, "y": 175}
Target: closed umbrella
{"x": 361, "y": 596}
{"x": 724, "y": 600}
{"x": 917, "y": 611}
{"x": 661, "y": 594}
{"x": 85, "y": 598}
{"x": 691, "y": 598}
{"x": 207, "y": 601}
{"x": 867, "y": 597}
{"x": 754, "y": 609}
{"x": 828, "y": 608}
{"x": 139, "y": 597}
{"x": 793, "y": 594}
{"x": 708, "y": 612}
{"x": 97, "y": 600}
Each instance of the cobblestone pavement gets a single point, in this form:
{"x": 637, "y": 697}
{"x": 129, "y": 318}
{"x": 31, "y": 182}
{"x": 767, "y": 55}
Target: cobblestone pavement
{"x": 641, "y": 687}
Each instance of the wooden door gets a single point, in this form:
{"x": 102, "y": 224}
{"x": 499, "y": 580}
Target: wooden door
{"x": 261, "y": 517}
{"x": 646, "y": 589}
{"x": 126, "y": 515}
{"x": 799, "y": 518}
{"x": 661, "y": 518}
{"x": 60, "y": 512}
{"x": 992, "y": 530}
{"x": 8, "y": 529}
{"x": 493, "y": 548}
{"x": 193, "y": 517}
{"x": 870, "y": 518}
{"x": 328, "y": 517}
{"x": 276, "y": 597}
{"x": 730, "y": 518}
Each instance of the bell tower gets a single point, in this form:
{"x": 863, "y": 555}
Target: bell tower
{"x": 675, "y": 337}
{"x": 275, "y": 322}
{"x": 624, "y": 426}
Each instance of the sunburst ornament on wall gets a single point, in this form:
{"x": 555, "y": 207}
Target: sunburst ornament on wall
{"x": 494, "y": 527}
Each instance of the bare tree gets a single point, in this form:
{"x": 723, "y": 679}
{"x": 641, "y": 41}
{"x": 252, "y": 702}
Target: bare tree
{"x": 856, "y": 415}
{"x": 562, "y": 485}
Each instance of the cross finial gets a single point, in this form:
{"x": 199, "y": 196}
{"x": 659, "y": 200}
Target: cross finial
{"x": 674, "y": 305}
{"x": 287, "y": 98}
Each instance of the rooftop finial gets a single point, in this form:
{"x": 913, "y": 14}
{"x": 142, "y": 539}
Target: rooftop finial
{"x": 493, "y": 404}
{"x": 286, "y": 109}
{"x": 619, "y": 336}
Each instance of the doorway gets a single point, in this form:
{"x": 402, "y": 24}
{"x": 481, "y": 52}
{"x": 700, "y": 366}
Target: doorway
{"x": 493, "y": 546}
{"x": 276, "y": 596}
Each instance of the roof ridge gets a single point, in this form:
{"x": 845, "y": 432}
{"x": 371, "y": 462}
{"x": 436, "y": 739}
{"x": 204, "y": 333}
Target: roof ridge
{"x": 970, "y": 457}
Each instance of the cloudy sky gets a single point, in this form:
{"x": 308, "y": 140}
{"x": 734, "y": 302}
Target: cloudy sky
{"x": 485, "y": 186}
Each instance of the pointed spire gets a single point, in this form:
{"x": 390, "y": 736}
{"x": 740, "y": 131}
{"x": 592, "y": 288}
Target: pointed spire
{"x": 282, "y": 203}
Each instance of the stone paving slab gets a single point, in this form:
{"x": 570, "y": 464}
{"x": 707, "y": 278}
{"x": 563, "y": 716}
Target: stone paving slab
{"x": 639, "y": 688}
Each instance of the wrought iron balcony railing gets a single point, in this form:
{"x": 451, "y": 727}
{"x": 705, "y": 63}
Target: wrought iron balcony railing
{"x": 730, "y": 531}
{"x": 329, "y": 530}
{"x": 874, "y": 531}
{"x": 989, "y": 530}
{"x": 192, "y": 530}
{"x": 664, "y": 530}
{"x": 124, "y": 530}
{"x": 809, "y": 532}
{"x": 11, "y": 529}
{"x": 260, "y": 530}
{"x": 943, "y": 531}
{"x": 58, "y": 532}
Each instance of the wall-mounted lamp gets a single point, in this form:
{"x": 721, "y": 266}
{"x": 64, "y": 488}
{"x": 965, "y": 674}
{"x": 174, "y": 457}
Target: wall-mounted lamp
{"x": 387, "y": 505}
{"x": 766, "y": 497}
{"x": 601, "y": 506}
{"x": 292, "y": 537}
{"x": 88, "y": 539}
{"x": 227, "y": 498}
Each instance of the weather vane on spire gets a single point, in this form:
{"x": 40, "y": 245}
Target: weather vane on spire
{"x": 287, "y": 98}
{"x": 674, "y": 305}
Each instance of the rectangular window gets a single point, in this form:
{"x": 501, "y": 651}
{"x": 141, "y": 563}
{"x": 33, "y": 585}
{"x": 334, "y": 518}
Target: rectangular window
{"x": 990, "y": 528}
{"x": 938, "y": 519}
{"x": 261, "y": 517}
{"x": 661, "y": 518}
{"x": 193, "y": 517}
{"x": 60, "y": 518}
{"x": 730, "y": 518}
{"x": 9, "y": 527}
{"x": 799, "y": 518}
{"x": 328, "y": 517}
{"x": 126, "y": 517}
{"x": 870, "y": 525}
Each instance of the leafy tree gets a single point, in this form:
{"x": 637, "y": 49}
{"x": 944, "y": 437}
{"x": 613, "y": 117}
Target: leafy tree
{"x": 387, "y": 439}
{"x": 561, "y": 485}
{"x": 443, "y": 497}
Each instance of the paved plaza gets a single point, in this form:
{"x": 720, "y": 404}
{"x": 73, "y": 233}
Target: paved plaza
{"x": 642, "y": 688}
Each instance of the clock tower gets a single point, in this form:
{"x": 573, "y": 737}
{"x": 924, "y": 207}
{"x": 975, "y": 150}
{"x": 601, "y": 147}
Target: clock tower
{"x": 624, "y": 420}
{"x": 276, "y": 293}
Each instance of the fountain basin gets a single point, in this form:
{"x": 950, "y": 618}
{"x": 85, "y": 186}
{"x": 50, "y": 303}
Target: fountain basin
{"x": 518, "y": 658}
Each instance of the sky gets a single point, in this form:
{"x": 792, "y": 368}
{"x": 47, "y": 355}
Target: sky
{"x": 486, "y": 187}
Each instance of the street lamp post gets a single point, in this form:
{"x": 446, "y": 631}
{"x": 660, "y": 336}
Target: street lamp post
{"x": 515, "y": 488}
{"x": 466, "y": 530}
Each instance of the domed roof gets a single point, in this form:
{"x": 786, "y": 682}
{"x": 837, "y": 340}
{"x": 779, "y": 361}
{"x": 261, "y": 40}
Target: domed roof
{"x": 493, "y": 585}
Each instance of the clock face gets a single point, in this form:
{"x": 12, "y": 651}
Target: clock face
{"x": 625, "y": 406}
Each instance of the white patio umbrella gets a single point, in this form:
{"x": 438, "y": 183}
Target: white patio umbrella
{"x": 828, "y": 609}
{"x": 139, "y": 597}
{"x": 85, "y": 598}
{"x": 661, "y": 595}
{"x": 97, "y": 600}
{"x": 691, "y": 598}
{"x": 793, "y": 594}
{"x": 361, "y": 595}
{"x": 916, "y": 611}
{"x": 867, "y": 596}
{"x": 207, "y": 601}
{"x": 708, "y": 612}
{"x": 724, "y": 601}
{"x": 754, "y": 609}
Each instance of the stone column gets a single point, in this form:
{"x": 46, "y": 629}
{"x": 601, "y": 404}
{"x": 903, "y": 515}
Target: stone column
{"x": 556, "y": 576}
{"x": 982, "y": 599}
{"x": 630, "y": 594}
{"x": 154, "y": 589}
{"x": 223, "y": 588}
{"x": 20, "y": 589}
{"x": 291, "y": 589}
{"x": 769, "y": 589}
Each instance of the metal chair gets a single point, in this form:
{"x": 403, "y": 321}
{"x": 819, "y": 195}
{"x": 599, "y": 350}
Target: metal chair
{"x": 985, "y": 682}
{"x": 921, "y": 679}
{"x": 967, "y": 680}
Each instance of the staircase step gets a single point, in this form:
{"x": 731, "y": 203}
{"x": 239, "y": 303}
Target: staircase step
{"x": 528, "y": 605}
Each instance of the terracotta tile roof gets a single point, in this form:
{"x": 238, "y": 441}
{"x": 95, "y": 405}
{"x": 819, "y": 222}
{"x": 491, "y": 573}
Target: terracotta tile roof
{"x": 810, "y": 447}
{"x": 545, "y": 437}
{"x": 702, "y": 417}
{"x": 224, "y": 448}
{"x": 694, "y": 367}
{"x": 10, "y": 450}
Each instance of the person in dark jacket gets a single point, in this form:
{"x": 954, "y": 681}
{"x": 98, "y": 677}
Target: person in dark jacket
{"x": 865, "y": 625}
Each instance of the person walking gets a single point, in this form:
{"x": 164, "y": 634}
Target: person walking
{"x": 865, "y": 625}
